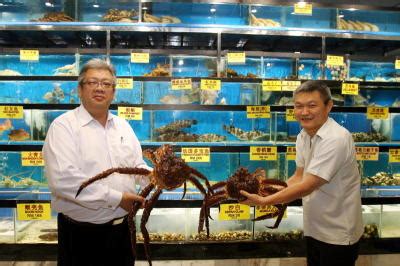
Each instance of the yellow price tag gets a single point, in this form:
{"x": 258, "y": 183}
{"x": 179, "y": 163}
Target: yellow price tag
{"x": 14, "y": 112}
{"x": 236, "y": 58}
{"x": 271, "y": 85}
{"x": 350, "y": 88}
{"x": 33, "y": 211}
{"x": 263, "y": 153}
{"x": 210, "y": 84}
{"x": 290, "y": 85}
{"x": 196, "y": 155}
{"x": 130, "y": 113}
{"x": 124, "y": 84}
{"x": 290, "y": 115}
{"x": 394, "y": 155}
{"x": 303, "y": 8}
{"x": 397, "y": 64}
{"x": 229, "y": 212}
{"x": 291, "y": 153}
{"x": 377, "y": 112}
{"x": 181, "y": 84}
{"x": 29, "y": 55}
{"x": 333, "y": 60}
{"x": 258, "y": 111}
{"x": 141, "y": 58}
{"x": 265, "y": 210}
{"x": 32, "y": 158}
{"x": 367, "y": 153}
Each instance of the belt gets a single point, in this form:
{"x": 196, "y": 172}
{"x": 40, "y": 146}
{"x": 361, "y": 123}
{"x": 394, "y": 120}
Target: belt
{"x": 115, "y": 221}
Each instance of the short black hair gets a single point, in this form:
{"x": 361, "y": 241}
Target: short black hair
{"x": 315, "y": 85}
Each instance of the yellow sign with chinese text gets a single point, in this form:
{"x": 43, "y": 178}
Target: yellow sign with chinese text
{"x": 290, "y": 85}
{"x": 265, "y": 210}
{"x": 291, "y": 153}
{"x": 181, "y": 84}
{"x": 14, "y": 112}
{"x": 141, "y": 58}
{"x": 196, "y": 155}
{"x": 210, "y": 84}
{"x": 236, "y": 58}
{"x": 367, "y": 153}
{"x": 350, "y": 88}
{"x": 290, "y": 115}
{"x": 124, "y": 84}
{"x": 377, "y": 112}
{"x": 33, "y": 211}
{"x": 397, "y": 64}
{"x": 130, "y": 113}
{"x": 229, "y": 212}
{"x": 258, "y": 111}
{"x": 394, "y": 155}
{"x": 29, "y": 55}
{"x": 263, "y": 153}
{"x": 32, "y": 158}
{"x": 333, "y": 60}
{"x": 303, "y": 8}
{"x": 271, "y": 85}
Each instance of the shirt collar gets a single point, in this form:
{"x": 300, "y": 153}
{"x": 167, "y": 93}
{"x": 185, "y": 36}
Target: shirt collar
{"x": 322, "y": 131}
{"x": 85, "y": 118}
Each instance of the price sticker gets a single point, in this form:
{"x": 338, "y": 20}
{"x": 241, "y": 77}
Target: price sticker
{"x": 236, "y": 58}
{"x": 33, "y": 211}
{"x": 181, "y": 84}
{"x": 210, "y": 84}
{"x": 333, "y": 60}
{"x": 14, "y": 112}
{"x": 271, "y": 85}
{"x": 397, "y": 64}
{"x": 141, "y": 58}
{"x": 303, "y": 8}
{"x": 29, "y": 55}
{"x": 266, "y": 210}
{"x": 196, "y": 155}
{"x": 377, "y": 112}
{"x": 350, "y": 88}
{"x": 258, "y": 111}
{"x": 290, "y": 117}
{"x": 229, "y": 212}
{"x": 124, "y": 84}
{"x": 394, "y": 155}
{"x": 32, "y": 158}
{"x": 290, "y": 85}
{"x": 263, "y": 153}
{"x": 130, "y": 113}
{"x": 367, "y": 153}
{"x": 291, "y": 153}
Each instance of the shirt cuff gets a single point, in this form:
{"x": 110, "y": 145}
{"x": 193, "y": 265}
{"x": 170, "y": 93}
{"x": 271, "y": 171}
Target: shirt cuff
{"x": 114, "y": 199}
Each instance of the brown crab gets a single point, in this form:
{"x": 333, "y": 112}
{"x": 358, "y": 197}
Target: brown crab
{"x": 170, "y": 172}
{"x": 242, "y": 179}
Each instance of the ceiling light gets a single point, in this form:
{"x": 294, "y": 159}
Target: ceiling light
{"x": 352, "y": 9}
{"x": 341, "y": 16}
{"x": 180, "y": 62}
{"x": 254, "y": 10}
{"x": 49, "y": 4}
{"x": 96, "y": 6}
{"x": 213, "y": 10}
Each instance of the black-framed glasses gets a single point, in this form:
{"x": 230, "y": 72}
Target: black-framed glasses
{"x": 105, "y": 84}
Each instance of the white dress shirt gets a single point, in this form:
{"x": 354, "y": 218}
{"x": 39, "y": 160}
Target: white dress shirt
{"x": 78, "y": 147}
{"x": 332, "y": 213}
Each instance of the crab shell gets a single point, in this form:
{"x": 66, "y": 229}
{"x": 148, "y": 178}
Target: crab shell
{"x": 242, "y": 180}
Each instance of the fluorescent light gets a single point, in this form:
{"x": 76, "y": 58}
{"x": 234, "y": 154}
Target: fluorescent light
{"x": 212, "y": 10}
{"x": 180, "y": 62}
{"x": 48, "y": 4}
{"x": 341, "y": 16}
{"x": 144, "y": 8}
{"x": 96, "y": 6}
{"x": 352, "y": 9}
{"x": 254, "y": 10}
{"x": 301, "y": 4}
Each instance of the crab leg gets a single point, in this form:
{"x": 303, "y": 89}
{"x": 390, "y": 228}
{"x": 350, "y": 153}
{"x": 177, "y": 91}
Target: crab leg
{"x": 279, "y": 213}
{"x": 273, "y": 182}
{"x": 205, "y": 210}
{"x": 201, "y": 176}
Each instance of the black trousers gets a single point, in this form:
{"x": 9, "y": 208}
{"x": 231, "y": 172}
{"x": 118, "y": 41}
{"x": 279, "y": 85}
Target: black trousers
{"x": 85, "y": 244}
{"x": 324, "y": 254}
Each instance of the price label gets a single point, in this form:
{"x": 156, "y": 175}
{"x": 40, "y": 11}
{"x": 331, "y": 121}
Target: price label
{"x": 290, "y": 117}
{"x": 333, "y": 60}
{"x": 265, "y": 210}
{"x": 290, "y": 85}
{"x": 181, "y": 84}
{"x": 236, "y": 58}
{"x": 394, "y": 155}
{"x": 32, "y": 158}
{"x": 303, "y": 8}
{"x": 397, "y": 64}
{"x": 291, "y": 153}
{"x": 377, "y": 112}
{"x": 210, "y": 84}
{"x": 33, "y": 211}
{"x": 130, "y": 113}
{"x": 229, "y": 212}
{"x": 367, "y": 153}
{"x": 196, "y": 155}
{"x": 14, "y": 112}
{"x": 258, "y": 111}
{"x": 271, "y": 85}
{"x": 350, "y": 88}
{"x": 124, "y": 84}
{"x": 29, "y": 55}
{"x": 141, "y": 58}
{"x": 263, "y": 153}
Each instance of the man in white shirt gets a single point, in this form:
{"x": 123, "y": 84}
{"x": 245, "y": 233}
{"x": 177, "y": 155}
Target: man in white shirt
{"x": 326, "y": 177}
{"x": 92, "y": 228}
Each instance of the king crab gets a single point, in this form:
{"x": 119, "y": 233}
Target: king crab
{"x": 170, "y": 172}
{"x": 242, "y": 179}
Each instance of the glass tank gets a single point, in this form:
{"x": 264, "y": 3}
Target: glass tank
{"x": 310, "y": 69}
{"x": 108, "y": 11}
{"x": 158, "y": 66}
{"x": 194, "y": 66}
{"x": 7, "y": 229}
{"x": 373, "y": 71}
{"x": 278, "y": 68}
{"x": 252, "y": 68}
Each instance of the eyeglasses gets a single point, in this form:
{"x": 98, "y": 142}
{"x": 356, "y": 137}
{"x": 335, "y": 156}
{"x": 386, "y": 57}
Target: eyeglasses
{"x": 93, "y": 84}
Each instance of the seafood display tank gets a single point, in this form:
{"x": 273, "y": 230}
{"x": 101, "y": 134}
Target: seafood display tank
{"x": 214, "y": 80}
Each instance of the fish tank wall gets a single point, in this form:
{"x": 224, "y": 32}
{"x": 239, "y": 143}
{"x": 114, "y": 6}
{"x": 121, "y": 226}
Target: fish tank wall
{"x": 25, "y": 10}
{"x": 118, "y": 11}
